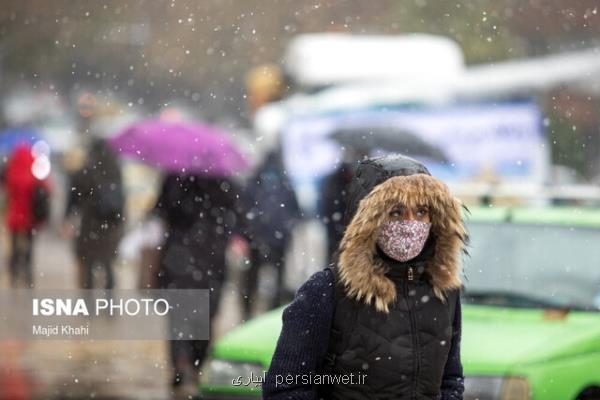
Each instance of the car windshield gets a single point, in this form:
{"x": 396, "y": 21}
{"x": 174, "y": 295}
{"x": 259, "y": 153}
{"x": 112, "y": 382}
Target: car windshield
{"x": 543, "y": 266}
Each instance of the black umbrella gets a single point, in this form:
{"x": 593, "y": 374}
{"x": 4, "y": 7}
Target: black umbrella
{"x": 389, "y": 139}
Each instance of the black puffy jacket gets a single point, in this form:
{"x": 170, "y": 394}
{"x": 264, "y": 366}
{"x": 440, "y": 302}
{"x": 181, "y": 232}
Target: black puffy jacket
{"x": 396, "y": 324}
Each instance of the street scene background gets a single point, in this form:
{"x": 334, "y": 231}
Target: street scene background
{"x": 501, "y": 100}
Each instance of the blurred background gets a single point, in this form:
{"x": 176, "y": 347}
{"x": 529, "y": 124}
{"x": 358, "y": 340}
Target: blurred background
{"x": 501, "y": 100}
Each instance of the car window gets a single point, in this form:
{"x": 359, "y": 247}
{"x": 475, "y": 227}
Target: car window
{"x": 533, "y": 265}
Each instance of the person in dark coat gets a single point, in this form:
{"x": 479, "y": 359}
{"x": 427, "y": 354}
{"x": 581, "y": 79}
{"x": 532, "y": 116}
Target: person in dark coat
{"x": 334, "y": 197}
{"x": 387, "y": 315}
{"x": 334, "y": 200}
{"x": 200, "y": 214}
{"x": 272, "y": 212}
{"x": 96, "y": 197}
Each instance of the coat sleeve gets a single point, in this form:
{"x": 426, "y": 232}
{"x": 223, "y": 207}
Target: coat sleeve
{"x": 303, "y": 341}
{"x": 453, "y": 378}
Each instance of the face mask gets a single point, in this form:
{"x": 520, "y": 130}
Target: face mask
{"x": 403, "y": 240}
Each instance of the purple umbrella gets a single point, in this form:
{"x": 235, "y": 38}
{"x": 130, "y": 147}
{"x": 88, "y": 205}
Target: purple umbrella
{"x": 180, "y": 147}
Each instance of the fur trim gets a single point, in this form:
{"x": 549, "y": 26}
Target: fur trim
{"x": 363, "y": 275}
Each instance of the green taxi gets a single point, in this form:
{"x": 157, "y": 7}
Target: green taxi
{"x": 531, "y": 312}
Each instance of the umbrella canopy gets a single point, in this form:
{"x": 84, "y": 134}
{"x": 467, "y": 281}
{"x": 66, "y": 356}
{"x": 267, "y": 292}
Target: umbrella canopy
{"x": 180, "y": 146}
{"x": 16, "y": 137}
{"x": 390, "y": 139}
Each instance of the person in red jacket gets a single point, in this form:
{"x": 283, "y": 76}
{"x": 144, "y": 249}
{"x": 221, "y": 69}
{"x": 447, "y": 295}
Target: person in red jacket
{"x": 20, "y": 185}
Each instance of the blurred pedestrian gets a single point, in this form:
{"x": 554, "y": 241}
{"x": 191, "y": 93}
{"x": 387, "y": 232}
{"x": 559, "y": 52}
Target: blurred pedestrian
{"x": 264, "y": 84}
{"x": 334, "y": 197}
{"x": 272, "y": 212}
{"x": 388, "y": 313}
{"x": 96, "y": 201}
{"x": 200, "y": 215}
{"x": 27, "y": 207}
{"x": 333, "y": 203}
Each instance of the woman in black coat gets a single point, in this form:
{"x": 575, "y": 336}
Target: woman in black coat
{"x": 200, "y": 214}
{"x": 384, "y": 321}
{"x": 96, "y": 195}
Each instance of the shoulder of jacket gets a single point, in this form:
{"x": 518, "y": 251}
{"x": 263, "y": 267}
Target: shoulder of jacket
{"x": 318, "y": 281}
{"x": 316, "y": 295}
{"x": 457, "y": 291}
{"x": 319, "y": 287}
{"x": 454, "y": 294}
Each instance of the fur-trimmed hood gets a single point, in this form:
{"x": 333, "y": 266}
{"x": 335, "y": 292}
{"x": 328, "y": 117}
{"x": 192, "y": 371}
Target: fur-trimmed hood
{"x": 362, "y": 273}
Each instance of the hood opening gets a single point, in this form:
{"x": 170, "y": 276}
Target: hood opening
{"x": 362, "y": 272}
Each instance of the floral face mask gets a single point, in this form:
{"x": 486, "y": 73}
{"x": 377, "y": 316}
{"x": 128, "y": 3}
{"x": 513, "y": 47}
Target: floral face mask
{"x": 403, "y": 240}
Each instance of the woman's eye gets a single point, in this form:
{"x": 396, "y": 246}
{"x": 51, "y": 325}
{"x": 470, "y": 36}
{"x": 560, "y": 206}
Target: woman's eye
{"x": 422, "y": 212}
{"x": 395, "y": 214}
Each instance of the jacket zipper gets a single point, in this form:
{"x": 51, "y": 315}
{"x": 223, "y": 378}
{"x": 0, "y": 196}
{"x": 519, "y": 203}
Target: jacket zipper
{"x": 413, "y": 322}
